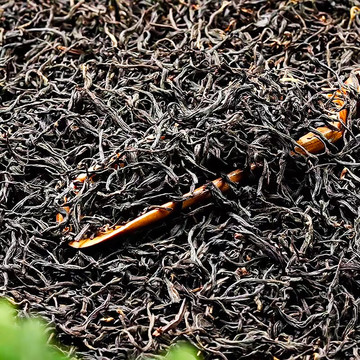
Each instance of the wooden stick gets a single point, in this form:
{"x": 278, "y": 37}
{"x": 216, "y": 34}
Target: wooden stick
{"x": 162, "y": 211}
{"x": 311, "y": 142}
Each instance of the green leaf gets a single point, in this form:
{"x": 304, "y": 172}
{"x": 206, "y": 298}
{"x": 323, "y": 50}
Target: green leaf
{"x": 182, "y": 351}
{"x": 24, "y": 339}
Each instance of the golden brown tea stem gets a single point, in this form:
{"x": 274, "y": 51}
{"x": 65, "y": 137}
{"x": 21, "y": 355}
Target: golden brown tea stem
{"x": 311, "y": 142}
{"x": 162, "y": 211}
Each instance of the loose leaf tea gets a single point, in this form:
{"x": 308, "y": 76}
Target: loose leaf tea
{"x": 149, "y": 100}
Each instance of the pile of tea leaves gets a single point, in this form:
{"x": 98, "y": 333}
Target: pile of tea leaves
{"x": 185, "y": 91}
